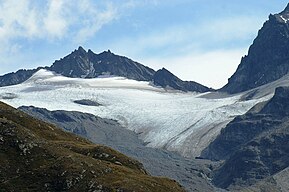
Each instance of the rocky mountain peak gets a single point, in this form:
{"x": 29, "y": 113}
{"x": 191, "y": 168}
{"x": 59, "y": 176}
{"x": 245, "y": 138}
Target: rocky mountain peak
{"x": 165, "y": 72}
{"x": 282, "y": 17}
{"x": 166, "y": 79}
{"x": 80, "y": 51}
{"x": 87, "y": 64}
{"x": 268, "y": 56}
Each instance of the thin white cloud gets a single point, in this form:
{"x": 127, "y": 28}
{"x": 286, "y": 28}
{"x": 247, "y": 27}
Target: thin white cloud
{"x": 53, "y": 20}
{"x": 30, "y": 22}
{"x": 188, "y": 37}
{"x": 93, "y": 19}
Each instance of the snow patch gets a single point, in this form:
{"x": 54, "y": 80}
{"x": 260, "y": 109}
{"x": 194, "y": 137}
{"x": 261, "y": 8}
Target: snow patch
{"x": 282, "y": 17}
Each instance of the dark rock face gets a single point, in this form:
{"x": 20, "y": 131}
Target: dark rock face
{"x": 268, "y": 56}
{"x": 255, "y": 145}
{"x": 86, "y": 64}
{"x": 89, "y": 65}
{"x": 237, "y": 133}
{"x": 16, "y": 78}
{"x": 260, "y": 158}
{"x": 87, "y": 102}
{"x": 166, "y": 79}
{"x": 278, "y": 106}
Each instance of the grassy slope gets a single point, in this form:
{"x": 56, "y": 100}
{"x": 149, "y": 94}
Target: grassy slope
{"x": 37, "y": 156}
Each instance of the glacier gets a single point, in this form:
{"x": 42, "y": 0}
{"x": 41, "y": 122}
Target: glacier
{"x": 183, "y": 122}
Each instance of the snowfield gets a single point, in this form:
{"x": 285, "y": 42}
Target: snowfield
{"x": 177, "y": 121}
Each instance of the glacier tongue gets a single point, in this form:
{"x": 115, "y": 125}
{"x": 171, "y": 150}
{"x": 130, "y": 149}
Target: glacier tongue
{"x": 177, "y": 121}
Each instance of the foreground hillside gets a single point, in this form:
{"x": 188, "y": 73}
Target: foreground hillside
{"x": 36, "y": 156}
{"x": 192, "y": 174}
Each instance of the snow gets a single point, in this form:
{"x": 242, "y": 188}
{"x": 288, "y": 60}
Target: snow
{"x": 282, "y": 17}
{"x": 177, "y": 121}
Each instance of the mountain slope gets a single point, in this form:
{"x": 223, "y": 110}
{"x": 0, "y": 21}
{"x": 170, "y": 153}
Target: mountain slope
{"x": 86, "y": 64}
{"x": 255, "y": 145}
{"x": 16, "y": 78}
{"x": 190, "y": 173}
{"x": 36, "y": 156}
{"x": 268, "y": 56}
{"x": 166, "y": 79}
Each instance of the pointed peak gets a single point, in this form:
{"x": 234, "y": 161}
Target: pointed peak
{"x": 81, "y": 49}
{"x": 164, "y": 70}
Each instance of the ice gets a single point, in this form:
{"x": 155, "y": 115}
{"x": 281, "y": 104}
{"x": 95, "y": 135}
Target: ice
{"x": 177, "y": 121}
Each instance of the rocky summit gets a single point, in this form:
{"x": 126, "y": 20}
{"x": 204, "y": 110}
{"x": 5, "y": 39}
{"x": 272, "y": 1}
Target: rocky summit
{"x": 86, "y": 64}
{"x": 268, "y": 56}
{"x": 165, "y": 78}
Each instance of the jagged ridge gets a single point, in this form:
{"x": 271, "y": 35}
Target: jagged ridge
{"x": 165, "y": 78}
{"x": 268, "y": 56}
{"x": 86, "y": 64}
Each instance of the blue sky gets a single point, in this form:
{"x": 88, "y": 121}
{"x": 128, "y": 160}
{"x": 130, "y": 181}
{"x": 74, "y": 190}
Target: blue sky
{"x": 199, "y": 40}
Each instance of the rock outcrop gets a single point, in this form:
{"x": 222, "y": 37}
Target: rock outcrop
{"x": 268, "y": 56}
{"x": 253, "y": 146}
{"x": 166, "y": 79}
